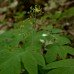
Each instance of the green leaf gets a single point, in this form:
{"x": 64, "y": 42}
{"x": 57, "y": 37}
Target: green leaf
{"x": 55, "y": 31}
{"x": 61, "y": 40}
{"x": 26, "y": 25}
{"x": 29, "y": 62}
{"x": 11, "y": 39}
{"x": 66, "y": 70}
{"x": 32, "y": 42}
{"x": 68, "y": 13}
{"x": 39, "y": 58}
{"x": 60, "y": 64}
{"x": 51, "y": 54}
{"x": 54, "y": 50}
{"x": 9, "y": 63}
{"x": 64, "y": 50}
{"x": 47, "y": 28}
{"x": 61, "y": 67}
{"x": 56, "y": 16}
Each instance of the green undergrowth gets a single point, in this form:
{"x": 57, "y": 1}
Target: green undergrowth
{"x": 29, "y": 50}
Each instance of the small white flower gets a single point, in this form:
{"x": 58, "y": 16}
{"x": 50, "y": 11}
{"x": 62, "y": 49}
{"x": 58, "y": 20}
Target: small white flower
{"x": 44, "y": 35}
{"x": 42, "y": 41}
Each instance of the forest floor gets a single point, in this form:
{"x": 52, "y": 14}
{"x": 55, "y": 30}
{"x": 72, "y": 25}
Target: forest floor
{"x": 13, "y": 12}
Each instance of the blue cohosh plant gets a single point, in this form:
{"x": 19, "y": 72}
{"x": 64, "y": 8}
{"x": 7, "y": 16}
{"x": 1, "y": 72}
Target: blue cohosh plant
{"x": 24, "y": 50}
{"x": 35, "y": 11}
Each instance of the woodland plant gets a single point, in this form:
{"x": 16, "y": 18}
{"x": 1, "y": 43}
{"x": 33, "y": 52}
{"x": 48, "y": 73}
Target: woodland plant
{"x": 26, "y": 50}
{"x": 35, "y": 48}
